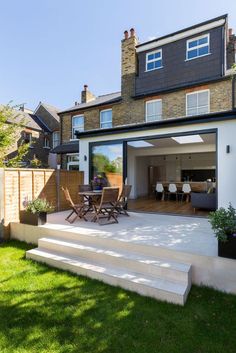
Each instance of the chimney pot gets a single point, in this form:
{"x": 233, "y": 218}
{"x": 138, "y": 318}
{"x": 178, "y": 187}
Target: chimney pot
{"x": 126, "y": 34}
{"x": 132, "y": 32}
{"x": 85, "y": 87}
{"x": 76, "y": 103}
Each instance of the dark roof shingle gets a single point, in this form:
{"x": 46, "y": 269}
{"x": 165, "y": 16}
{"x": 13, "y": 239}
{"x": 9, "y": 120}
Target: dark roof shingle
{"x": 100, "y": 100}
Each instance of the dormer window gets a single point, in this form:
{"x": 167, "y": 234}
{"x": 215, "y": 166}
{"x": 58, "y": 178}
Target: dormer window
{"x": 197, "y": 47}
{"x": 154, "y": 60}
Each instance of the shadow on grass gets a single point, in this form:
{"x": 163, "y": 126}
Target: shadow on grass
{"x": 47, "y": 310}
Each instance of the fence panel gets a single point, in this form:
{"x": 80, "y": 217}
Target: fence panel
{"x": 21, "y": 185}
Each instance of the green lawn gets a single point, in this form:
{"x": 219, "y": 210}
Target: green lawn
{"x": 45, "y": 311}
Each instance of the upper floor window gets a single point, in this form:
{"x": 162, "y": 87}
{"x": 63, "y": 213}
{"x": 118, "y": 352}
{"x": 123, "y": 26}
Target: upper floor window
{"x": 153, "y": 110}
{"x": 198, "y": 102}
{"x": 197, "y": 47}
{"x": 27, "y": 137}
{"x": 154, "y": 60}
{"x": 46, "y": 143}
{"x": 77, "y": 125}
{"x": 106, "y": 118}
{"x": 55, "y": 139}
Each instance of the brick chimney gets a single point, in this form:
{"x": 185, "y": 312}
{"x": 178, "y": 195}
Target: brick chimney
{"x": 128, "y": 64}
{"x": 231, "y": 48}
{"x": 86, "y": 95}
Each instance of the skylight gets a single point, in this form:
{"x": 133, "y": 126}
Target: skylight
{"x": 188, "y": 139}
{"x": 138, "y": 144}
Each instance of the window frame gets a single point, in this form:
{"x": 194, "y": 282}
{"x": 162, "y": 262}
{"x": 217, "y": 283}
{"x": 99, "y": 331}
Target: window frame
{"x": 71, "y": 163}
{"x": 196, "y": 92}
{"x": 152, "y": 101}
{"x": 100, "y": 114}
{"x": 46, "y": 145}
{"x": 53, "y": 139}
{"x": 73, "y": 138}
{"x": 198, "y": 46}
{"x": 153, "y": 60}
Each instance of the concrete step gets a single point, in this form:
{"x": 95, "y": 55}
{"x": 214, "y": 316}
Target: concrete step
{"x": 143, "y": 264}
{"x": 159, "y": 288}
{"x": 109, "y": 241}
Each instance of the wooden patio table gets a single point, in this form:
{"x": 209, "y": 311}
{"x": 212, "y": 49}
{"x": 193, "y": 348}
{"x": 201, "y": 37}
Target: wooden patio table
{"x": 92, "y": 197}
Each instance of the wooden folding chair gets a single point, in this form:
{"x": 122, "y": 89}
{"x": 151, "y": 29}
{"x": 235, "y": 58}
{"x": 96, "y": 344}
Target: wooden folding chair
{"x": 123, "y": 200}
{"x": 78, "y": 209}
{"x": 107, "y": 206}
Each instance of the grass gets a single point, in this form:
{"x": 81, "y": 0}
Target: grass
{"x": 50, "y": 311}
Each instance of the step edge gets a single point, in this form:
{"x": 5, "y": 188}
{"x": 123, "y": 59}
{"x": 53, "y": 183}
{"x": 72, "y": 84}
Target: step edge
{"x": 184, "y": 286}
{"x": 173, "y": 263}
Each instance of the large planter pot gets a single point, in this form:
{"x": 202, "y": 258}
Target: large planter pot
{"x": 228, "y": 248}
{"x": 34, "y": 219}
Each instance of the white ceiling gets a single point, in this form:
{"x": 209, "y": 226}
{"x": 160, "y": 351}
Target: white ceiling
{"x": 209, "y": 139}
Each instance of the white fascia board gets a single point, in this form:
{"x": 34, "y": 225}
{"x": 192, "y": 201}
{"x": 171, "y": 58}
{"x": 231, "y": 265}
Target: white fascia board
{"x": 181, "y": 35}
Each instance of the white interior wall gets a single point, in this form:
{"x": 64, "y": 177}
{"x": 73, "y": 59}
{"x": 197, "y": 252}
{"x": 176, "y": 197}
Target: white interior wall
{"x": 172, "y": 165}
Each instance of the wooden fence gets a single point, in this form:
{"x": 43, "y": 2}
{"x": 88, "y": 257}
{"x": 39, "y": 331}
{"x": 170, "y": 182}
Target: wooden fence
{"x": 17, "y": 186}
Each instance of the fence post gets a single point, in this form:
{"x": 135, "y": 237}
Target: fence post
{"x": 58, "y": 182}
{"x": 2, "y": 198}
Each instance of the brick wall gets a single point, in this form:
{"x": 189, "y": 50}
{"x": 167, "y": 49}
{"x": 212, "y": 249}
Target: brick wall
{"x": 37, "y": 148}
{"x": 173, "y": 106}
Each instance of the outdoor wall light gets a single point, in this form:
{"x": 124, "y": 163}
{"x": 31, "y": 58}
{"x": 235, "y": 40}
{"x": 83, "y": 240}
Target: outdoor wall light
{"x": 227, "y": 148}
{"x": 85, "y": 158}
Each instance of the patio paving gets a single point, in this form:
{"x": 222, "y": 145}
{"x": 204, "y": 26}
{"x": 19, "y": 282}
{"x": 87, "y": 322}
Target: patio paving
{"x": 186, "y": 234}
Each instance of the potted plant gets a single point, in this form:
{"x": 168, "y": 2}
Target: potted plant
{"x": 36, "y": 212}
{"x": 223, "y": 222}
{"x": 99, "y": 182}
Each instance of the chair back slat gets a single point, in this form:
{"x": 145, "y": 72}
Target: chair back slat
{"x": 126, "y": 190}
{"x": 109, "y": 195}
{"x": 68, "y": 197}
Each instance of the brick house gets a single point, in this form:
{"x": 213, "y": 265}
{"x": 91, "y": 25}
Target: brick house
{"x": 49, "y": 117}
{"x": 173, "y": 121}
{"x": 41, "y": 130}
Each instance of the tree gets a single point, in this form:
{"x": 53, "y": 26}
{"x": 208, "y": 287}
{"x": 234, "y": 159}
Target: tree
{"x": 10, "y": 126}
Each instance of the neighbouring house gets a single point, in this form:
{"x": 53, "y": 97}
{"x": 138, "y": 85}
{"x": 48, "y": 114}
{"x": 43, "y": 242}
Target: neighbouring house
{"x": 41, "y": 130}
{"x": 173, "y": 122}
{"x": 49, "y": 117}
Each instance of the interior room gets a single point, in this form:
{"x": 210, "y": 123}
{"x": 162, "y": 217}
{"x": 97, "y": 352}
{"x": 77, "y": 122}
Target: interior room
{"x": 155, "y": 164}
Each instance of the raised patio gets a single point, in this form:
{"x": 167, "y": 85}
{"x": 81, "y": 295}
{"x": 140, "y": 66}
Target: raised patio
{"x": 154, "y": 255}
{"x": 187, "y": 234}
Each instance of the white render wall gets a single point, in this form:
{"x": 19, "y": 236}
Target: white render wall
{"x": 226, "y": 162}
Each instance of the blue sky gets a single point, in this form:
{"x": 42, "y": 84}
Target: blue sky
{"x": 51, "y": 48}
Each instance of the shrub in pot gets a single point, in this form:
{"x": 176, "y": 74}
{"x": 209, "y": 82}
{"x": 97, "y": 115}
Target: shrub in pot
{"x": 36, "y": 212}
{"x": 223, "y": 222}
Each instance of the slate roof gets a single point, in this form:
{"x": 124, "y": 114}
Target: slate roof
{"x": 100, "y": 100}
{"x": 40, "y": 123}
{"x": 52, "y": 110}
{"x": 69, "y": 147}
{"x": 28, "y": 120}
